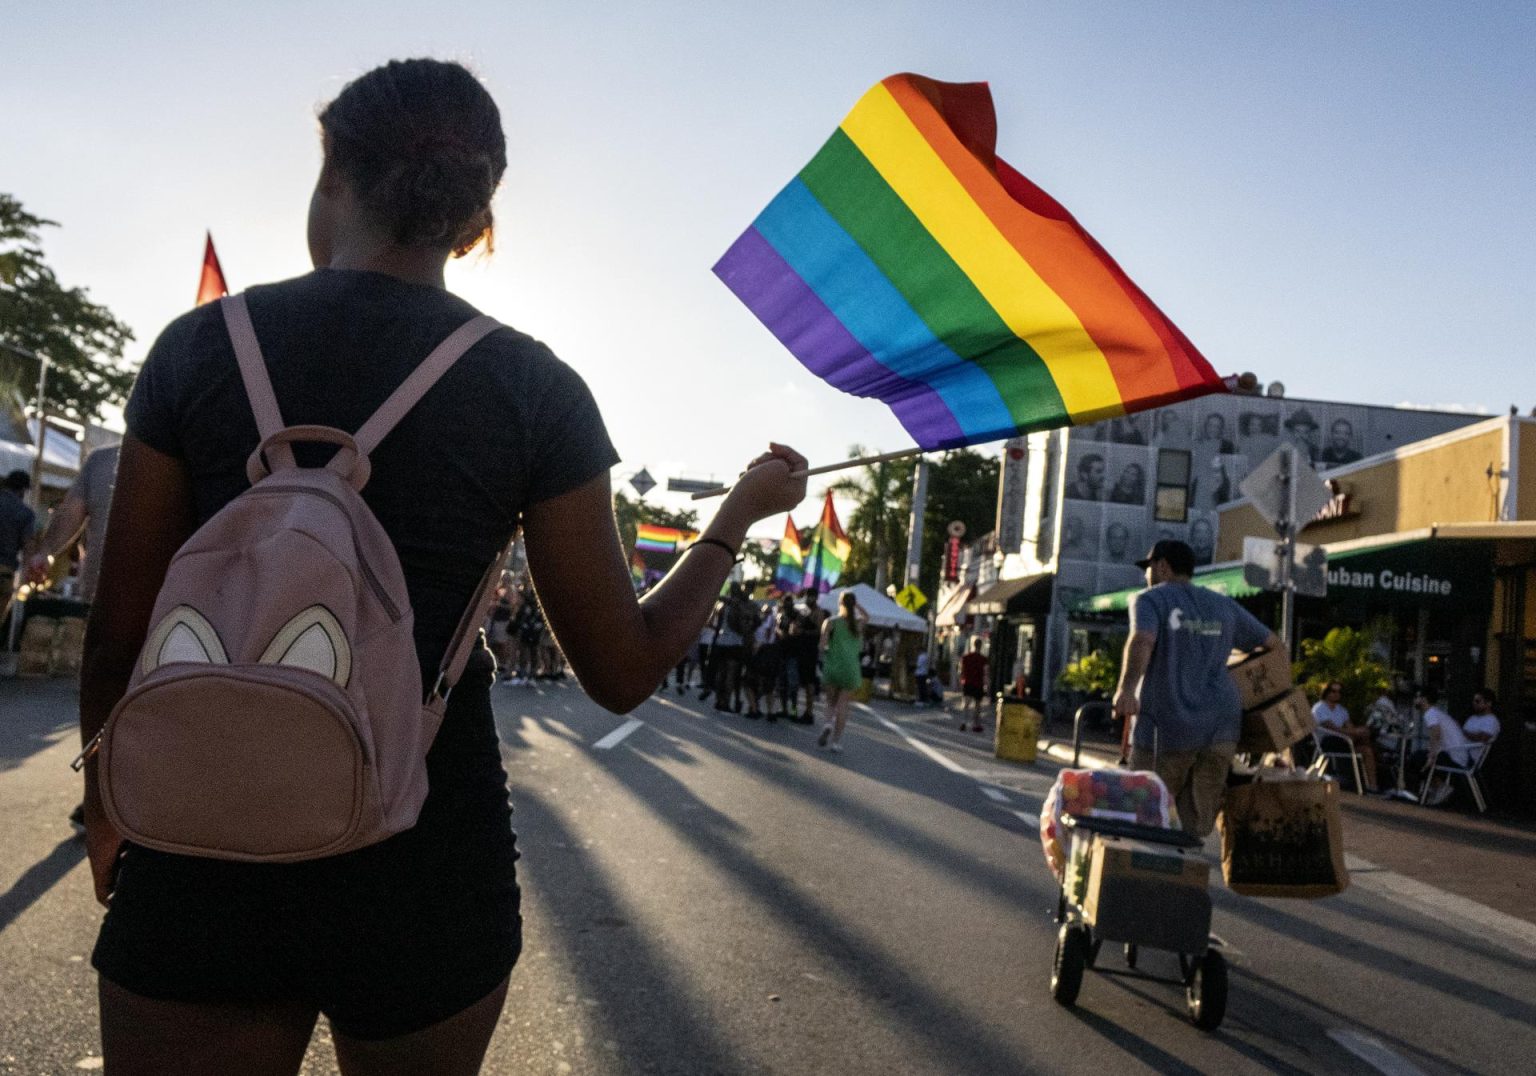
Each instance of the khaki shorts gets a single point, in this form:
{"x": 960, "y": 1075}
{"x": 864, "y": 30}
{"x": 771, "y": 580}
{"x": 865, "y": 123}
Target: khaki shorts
{"x": 1197, "y": 780}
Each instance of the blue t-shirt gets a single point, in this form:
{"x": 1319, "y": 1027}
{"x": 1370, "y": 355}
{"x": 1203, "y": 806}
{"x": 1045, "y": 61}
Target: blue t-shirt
{"x": 1186, "y": 693}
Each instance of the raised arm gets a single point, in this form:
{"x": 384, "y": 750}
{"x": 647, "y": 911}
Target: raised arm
{"x": 620, "y": 647}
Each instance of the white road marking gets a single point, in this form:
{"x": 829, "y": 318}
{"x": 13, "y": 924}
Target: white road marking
{"x": 1463, "y": 914}
{"x": 1374, "y": 1053}
{"x": 616, "y": 737}
{"x": 679, "y": 707}
{"x": 1031, "y": 820}
{"x": 994, "y": 793}
{"x": 942, "y": 759}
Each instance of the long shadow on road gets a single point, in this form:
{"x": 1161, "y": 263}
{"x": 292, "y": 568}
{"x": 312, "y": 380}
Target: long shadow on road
{"x": 927, "y": 1015}
{"x": 38, "y": 713}
{"x": 646, "y": 1007}
{"x": 794, "y": 777}
{"x": 39, "y": 879}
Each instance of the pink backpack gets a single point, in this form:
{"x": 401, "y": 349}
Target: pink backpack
{"x": 276, "y": 711}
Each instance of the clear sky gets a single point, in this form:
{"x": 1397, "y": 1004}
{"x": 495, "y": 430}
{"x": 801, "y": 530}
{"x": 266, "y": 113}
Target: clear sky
{"x": 1338, "y": 196}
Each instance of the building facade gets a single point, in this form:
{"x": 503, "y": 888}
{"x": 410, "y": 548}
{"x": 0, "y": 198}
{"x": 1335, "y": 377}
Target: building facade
{"x": 1092, "y": 499}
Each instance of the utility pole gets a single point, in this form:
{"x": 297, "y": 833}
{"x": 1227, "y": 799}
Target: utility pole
{"x": 915, "y": 527}
{"x": 1287, "y": 550}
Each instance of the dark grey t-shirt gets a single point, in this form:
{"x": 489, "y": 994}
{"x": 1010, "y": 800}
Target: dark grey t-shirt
{"x": 1187, "y": 694}
{"x": 508, "y": 426}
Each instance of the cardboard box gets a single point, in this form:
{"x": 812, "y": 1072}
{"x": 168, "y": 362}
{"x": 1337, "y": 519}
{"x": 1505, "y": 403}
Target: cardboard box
{"x": 1278, "y": 725}
{"x": 1260, "y": 678}
{"x": 1150, "y": 894}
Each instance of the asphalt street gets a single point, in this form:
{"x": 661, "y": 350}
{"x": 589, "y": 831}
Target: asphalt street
{"x": 707, "y": 894}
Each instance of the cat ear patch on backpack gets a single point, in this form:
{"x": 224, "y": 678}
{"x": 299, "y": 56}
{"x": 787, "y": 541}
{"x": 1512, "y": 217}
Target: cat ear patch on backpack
{"x": 312, "y": 640}
{"x": 183, "y": 636}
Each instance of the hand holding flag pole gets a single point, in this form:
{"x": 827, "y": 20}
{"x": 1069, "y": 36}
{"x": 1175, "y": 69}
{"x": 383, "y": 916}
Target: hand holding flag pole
{"x": 860, "y": 461}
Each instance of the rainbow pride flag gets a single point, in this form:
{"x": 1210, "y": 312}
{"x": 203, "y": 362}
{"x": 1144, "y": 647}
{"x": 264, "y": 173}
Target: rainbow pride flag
{"x": 636, "y": 569}
{"x": 910, "y": 263}
{"x": 828, "y": 553}
{"x": 790, "y": 573}
{"x": 654, "y": 539}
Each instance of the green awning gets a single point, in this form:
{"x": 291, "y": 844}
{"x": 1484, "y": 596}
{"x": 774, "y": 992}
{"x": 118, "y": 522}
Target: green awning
{"x": 1222, "y": 578}
{"x": 1228, "y": 578}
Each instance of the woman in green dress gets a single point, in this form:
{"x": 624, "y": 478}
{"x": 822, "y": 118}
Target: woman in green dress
{"x": 840, "y": 666}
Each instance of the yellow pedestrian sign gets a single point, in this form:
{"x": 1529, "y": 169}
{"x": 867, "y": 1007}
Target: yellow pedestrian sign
{"x": 910, "y": 598}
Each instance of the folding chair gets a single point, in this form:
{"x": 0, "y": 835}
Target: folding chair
{"x": 1477, "y": 752}
{"x": 1335, "y": 747}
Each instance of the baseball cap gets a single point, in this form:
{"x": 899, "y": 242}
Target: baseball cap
{"x": 1179, "y": 556}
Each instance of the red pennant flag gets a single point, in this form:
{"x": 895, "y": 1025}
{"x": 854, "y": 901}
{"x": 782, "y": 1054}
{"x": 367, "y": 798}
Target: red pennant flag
{"x": 212, "y": 285}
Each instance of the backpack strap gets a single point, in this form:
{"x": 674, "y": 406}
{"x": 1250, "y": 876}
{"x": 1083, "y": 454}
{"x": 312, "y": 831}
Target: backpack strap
{"x": 466, "y": 634}
{"x": 413, "y": 388}
{"x": 253, "y": 371}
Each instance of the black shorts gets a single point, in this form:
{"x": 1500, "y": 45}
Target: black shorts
{"x": 973, "y": 691}
{"x": 384, "y": 941}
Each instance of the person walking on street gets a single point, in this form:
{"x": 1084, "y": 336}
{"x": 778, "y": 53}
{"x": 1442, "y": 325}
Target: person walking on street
{"x": 973, "y": 685}
{"x": 840, "y": 653}
{"x": 1174, "y": 683}
{"x": 213, "y": 965}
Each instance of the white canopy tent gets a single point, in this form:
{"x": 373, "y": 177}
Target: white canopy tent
{"x": 883, "y": 613}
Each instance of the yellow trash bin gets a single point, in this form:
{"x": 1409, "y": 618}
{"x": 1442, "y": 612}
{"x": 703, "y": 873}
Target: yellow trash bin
{"x": 1018, "y": 727}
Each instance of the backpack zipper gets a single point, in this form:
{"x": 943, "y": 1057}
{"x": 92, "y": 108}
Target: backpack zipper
{"x": 368, "y": 577}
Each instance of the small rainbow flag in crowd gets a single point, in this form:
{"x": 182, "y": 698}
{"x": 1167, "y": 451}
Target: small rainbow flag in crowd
{"x": 790, "y": 574}
{"x": 910, "y": 263}
{"x": 828, "y": 553}
{"x": 654, "y": 539}
{"x": 636, "y": 569}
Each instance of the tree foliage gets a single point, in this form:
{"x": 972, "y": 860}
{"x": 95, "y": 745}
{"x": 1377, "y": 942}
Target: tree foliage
{"x": 962, "y": 485}
{"x": 1096, "y": 673}
{"x": 81, "y": 339}
{"x": 631, "y": 512}
{"x": 1348, "y": 656}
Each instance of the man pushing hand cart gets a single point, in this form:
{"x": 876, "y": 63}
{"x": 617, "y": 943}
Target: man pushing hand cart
{"x": 1126, "y": 873}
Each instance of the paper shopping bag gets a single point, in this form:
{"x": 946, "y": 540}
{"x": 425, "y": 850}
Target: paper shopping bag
{"x": 1283, "y": 837}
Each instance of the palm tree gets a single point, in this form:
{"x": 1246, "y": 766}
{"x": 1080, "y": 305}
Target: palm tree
{"x": 877, "y": 526}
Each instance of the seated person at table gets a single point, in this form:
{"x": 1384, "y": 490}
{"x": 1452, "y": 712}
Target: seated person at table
{"x": 1333, "y": 719}
{"x": 1482, "y": 726}
{"x": 1445, "y": 738}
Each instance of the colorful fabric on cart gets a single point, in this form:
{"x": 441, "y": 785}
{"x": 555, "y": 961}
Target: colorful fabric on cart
{"x": 908, "y": 262}
{"x": 829, "y": 551}
{"x": 655, "y": 539}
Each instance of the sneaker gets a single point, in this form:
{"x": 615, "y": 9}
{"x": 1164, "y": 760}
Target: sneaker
{"x": 77, "y": 818}
{"x": 771, "y": 716}
{"x": 837, "y": 745}
{"x": 1438, "y": 795}
{"x": 753, "y": 714}
{"x": 704, "y": 694}
{"x": 826, "y": 734}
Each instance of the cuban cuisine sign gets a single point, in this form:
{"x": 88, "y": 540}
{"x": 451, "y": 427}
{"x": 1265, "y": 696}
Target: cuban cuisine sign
{"x": 1414, "y": 574}
{"x": 1387, "y": 580}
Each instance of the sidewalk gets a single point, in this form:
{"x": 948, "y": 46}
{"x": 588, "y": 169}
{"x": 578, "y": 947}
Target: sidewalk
{"x": 1482, "y": 858}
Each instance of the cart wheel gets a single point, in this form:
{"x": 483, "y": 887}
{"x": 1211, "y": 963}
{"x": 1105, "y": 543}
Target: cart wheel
{"x": 1071, "y": 956}
{"x": 1130, "y": 954}
{"x": 1207, "y": 991}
